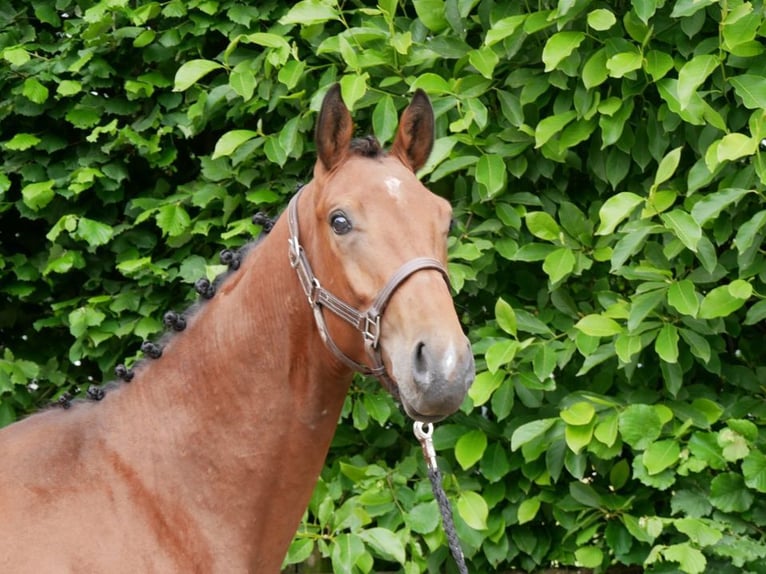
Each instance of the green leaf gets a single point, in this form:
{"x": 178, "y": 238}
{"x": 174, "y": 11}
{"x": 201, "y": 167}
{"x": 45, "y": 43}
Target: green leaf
{"x": 731, "y": 147}
{"x": 505, "y": 316}
{"x": 594, "y": 72}
{"x": 598, "y": 326}
{"x": 353, "y": 87}
{"x": 606, "y": 430}
{"x": 752, "y": 89}
{"x": 550, "y": 126}
{"x": 658, "y": 64}
{"x": 228, "y": 143}
{"x": 589, "y": 556}
{"x": 470, "y": 448}
{"x": 624, "y": 63}
{"x": 560, "y": 263}
{"x": 585, "y": 494}
{"x": 615, "y": 209}
{"x": 601, "y": 19}
{"x": 704, "y": 445}
{"x": 503, "y": 28}
{"x": 16, "y": 55}
{"x": 754, "y": 471}
{"x": 94, "y": 232}
{"x": 683, "y": 226}
{"x": 682, "y": 296}
{"x": 500, "y": 353}
{"x": 34, "y": 91}
{"x": 722, "y": 301}
{"x": 173, "y": 219}
{"x": 82, "y": 318}
{"x": 530, "y": 431}
{"x": 756, "y": 313}
{"x": 191, "y": 72}
{"x": 385, "y": 543}
{"x": 38, "y": 195}
{"x": 666, "y": 344}
{"x": 686, "y": 8}
{"x": 424, "y": 517}
{"x": 384, "y": 119}
{"x": 626, "y": 346}
{"x": 242, "y": 80}
{"x": 309, "y": 12}
{"x": 748, "y": 231}
{"x": 485, "y": 383}
{"x": 645, "y": 9}
{"x": 667, "y": 166}
{"x": 432, "y": 83}
{"x": 711, "y": 206}
{"x": 560, "y": 46}
{"x": 542, "y": 225}
{"x": 729, "y": 494}
{"x": 473, "y": 509}
{"x": 579, "y": 413}
{"x": 660, "y": 455}
{"x": 433, "y": 13}
{"x": 491, "y": 174}
{"x": 299, "y": 551}
{"x": 700, "y": 532}
{"x": 692, "y": 74}
{"x": 21, "y": 142}
{"x": 68, "y": 88}
{"x": 690, "y": 559}
{"x": 639, "y": 425}
{"x": 484, "y": 60}
{"x": 578, "y": 437}
{"x": 528, "y": 509}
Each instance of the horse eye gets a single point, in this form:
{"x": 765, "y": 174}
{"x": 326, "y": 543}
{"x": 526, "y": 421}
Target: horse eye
{"x": 340, "y": 223}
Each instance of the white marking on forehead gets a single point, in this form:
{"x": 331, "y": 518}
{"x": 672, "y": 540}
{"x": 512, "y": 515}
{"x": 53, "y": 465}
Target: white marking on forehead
{"x": 393, "y": 184}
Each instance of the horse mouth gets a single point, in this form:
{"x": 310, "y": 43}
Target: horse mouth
{"x": 415, "y": 415}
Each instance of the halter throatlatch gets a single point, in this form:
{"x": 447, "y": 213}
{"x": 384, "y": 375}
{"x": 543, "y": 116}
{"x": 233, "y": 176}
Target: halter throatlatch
{"x": 366, "y": 322}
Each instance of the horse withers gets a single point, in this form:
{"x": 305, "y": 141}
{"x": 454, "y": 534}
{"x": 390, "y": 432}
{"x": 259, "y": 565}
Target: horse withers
{"x": 206, "y": 460}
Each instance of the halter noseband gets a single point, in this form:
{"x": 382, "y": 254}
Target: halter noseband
{"x": 366, "y": 322}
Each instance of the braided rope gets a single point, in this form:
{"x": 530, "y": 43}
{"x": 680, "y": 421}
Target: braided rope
{"x": 447, "y": 521}
{"x": 424, "y": 435}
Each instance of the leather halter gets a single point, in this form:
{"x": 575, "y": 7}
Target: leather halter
{"x": 366, "y": 322}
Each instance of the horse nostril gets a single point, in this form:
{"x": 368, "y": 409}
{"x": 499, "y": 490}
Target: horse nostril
{"x": 421, "y": 360}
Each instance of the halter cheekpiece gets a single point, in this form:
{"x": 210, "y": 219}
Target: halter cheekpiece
{"x": 366, "y": 322}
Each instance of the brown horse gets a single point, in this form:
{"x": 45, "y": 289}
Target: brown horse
{"x": 205, "y": 462}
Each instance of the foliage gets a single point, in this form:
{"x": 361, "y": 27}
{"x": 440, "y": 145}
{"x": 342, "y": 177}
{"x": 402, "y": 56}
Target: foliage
{"x": 606, "y": 164}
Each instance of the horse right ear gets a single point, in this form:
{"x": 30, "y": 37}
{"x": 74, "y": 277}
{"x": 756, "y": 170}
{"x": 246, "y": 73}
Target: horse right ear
{"x": 334, "y": 129}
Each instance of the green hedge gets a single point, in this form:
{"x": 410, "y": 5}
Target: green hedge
{"x": 606, "y": 164}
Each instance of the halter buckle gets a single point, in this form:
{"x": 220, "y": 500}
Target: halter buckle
{"x": 371, "y": 330}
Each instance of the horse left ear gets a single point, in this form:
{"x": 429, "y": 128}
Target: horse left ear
{"x": 334, "y": 129}
{"x": 415, "y": 136}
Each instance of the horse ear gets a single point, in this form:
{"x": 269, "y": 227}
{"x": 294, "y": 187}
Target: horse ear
{"x": 415, "y": 136}
{"x": 334, "y": 129}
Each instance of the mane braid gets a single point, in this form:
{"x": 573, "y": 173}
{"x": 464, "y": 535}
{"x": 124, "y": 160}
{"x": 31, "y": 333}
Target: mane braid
{"x": 367, "y": 146}
{"x": 174, "y": 321}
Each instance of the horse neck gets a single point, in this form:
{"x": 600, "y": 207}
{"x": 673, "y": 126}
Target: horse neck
{"x": 240, "y": 409}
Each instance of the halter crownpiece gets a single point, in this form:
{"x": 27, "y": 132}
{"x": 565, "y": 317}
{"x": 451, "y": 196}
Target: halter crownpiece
{"x": 366, "y": 322}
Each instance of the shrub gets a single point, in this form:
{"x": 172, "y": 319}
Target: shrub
{"x": 606, "y": 165}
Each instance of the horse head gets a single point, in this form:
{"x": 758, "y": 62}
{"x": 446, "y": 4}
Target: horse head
{"x": 376, "y": 238}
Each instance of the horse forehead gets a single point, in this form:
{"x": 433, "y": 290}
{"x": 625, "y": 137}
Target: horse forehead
{"x": 385, "y": 179}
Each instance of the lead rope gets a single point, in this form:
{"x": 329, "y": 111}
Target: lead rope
{"x": 424, "y": 432}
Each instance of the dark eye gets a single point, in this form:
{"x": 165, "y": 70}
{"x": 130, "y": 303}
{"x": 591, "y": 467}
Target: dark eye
{"x": 340, "y": 223}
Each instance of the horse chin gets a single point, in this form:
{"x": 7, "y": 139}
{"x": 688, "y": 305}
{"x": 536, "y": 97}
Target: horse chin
{"x": 420, "y": 417}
